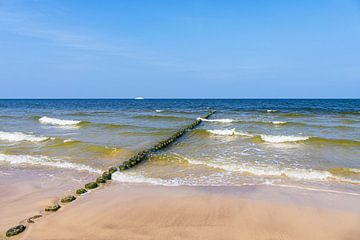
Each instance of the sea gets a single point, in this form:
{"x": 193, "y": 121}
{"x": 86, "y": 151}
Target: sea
{"x": 312, "y": 144}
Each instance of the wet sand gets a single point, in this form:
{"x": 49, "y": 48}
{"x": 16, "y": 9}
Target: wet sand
{"x": 25, "y": 193}
{"x": 156, "y": 212}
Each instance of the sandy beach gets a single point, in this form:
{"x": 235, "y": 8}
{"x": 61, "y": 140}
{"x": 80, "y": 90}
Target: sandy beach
{"x": 192, "y": 180}
{"x": 131, "y": 211}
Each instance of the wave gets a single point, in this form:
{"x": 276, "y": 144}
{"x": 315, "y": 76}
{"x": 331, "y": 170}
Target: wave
{"x": 276, "y": 139}
{"x": 19, "y": 136}
{"x": 75, "y": 123}
{"x": 282, "y": 138}
{"x": 309, "y": 139}
{"x": 228, "y": 132}
{"x": 226, "y": 120}
{"x": 45, "y": 161}
{"x": 163, "y": 117}
{"x": 271, "y": 111}
{"x": 278, "y": 122}
{"x": 273, "y": 171}
{"x": 159, "y": 111}
{"x": 59, "y": 122}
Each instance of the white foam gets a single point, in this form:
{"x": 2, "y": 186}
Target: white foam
{"x": 282, "y": 138}
{"x": 271, "y": 171}
{"x": 271, "y": 111}
{"x": 355, "y": 170}
{"x": 19, "y": 136}
{"x": 226, "y": 120}
{"x": 45, "y": 161}
{"x": 228, "y": 132}
{"x": 127, "y": 178}
{"x": 158, "y": 110}
{"x": 60, "y": 122}
{"x": 278, "y": 122}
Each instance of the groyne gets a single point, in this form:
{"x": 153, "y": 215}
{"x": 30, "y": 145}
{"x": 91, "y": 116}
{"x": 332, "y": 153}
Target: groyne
{"x": 137, "y": 159}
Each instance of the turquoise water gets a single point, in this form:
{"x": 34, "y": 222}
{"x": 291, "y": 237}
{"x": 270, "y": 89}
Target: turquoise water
{"x": 308, "y": 143}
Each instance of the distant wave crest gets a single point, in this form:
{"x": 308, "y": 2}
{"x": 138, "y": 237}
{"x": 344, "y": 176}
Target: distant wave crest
{"x": 59, "y": 122}
{"x": 271, "y": 111}
{"x": 226, "y": 120}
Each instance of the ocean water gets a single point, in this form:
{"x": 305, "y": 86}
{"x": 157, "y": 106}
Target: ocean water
{"x": 313, "y": 144}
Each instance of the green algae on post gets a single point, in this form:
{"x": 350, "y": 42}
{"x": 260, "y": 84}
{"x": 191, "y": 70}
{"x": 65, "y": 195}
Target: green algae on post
{"x": 53, "y": 208}
{"x": 106, "y": 175}
{"x": 81, "y": 191}
{"x": 144, "y": 155}
{"x": 15, "y": 230}
{"x": 68, "y": 199}
{"x": 91, "y": 185}
{"x": 100, "y": 180}
{"x": 112, "y": 170}
{"x": 31, "y": 219}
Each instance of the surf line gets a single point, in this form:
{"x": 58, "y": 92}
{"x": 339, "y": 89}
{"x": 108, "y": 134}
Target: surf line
{"x": 106, "y": 176}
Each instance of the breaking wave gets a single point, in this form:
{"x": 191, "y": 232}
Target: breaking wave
{"x": 45, "y": 161}
{"x": 309, "y": 139}
{"x": 19, "y": 136}
{"x": 271, "y": 111}
{"x": 226, "y": 120}
{"x": 229, "y": 132}
{"x": 282, "y": 138}
{"x": 276, "y": 139}
{"x": 58, "y": 122}
{"x": 278, "y": 122}
{"x": 273, "y": 171}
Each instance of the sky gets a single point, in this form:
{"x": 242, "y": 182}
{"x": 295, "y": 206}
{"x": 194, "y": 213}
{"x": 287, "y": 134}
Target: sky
{"x": 179, "y": 49}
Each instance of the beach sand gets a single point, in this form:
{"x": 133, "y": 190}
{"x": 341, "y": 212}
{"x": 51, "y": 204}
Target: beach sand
{"x": 25, "y": 193}
{"x": 128, "y": 211}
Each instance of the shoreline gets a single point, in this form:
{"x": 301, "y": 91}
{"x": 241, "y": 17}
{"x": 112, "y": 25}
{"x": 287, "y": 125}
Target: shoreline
{"x": 158, "y": 212}
{"x": 137, "y": 211}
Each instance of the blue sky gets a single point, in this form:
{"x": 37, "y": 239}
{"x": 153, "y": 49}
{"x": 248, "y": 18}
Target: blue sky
{"x": 179, "y": 49}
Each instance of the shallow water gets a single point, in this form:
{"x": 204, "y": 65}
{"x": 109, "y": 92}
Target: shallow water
{"x": 312, "y": 144}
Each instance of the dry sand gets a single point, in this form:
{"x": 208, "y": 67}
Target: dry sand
{"x": 155, "y": 212}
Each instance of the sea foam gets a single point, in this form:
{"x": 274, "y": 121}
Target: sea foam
{"x": 59, "y": 122}
{"x": 228, "y": 132}
{"x": 282, "y": 138}
{"x": 226, "y": 120}
{"x": 19, "y": 136}
{"x": 278, "y": 122}
{"x": 271, "y": 111}
{"x": 273, "y": 171}
{"x": 45, "y": 161}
